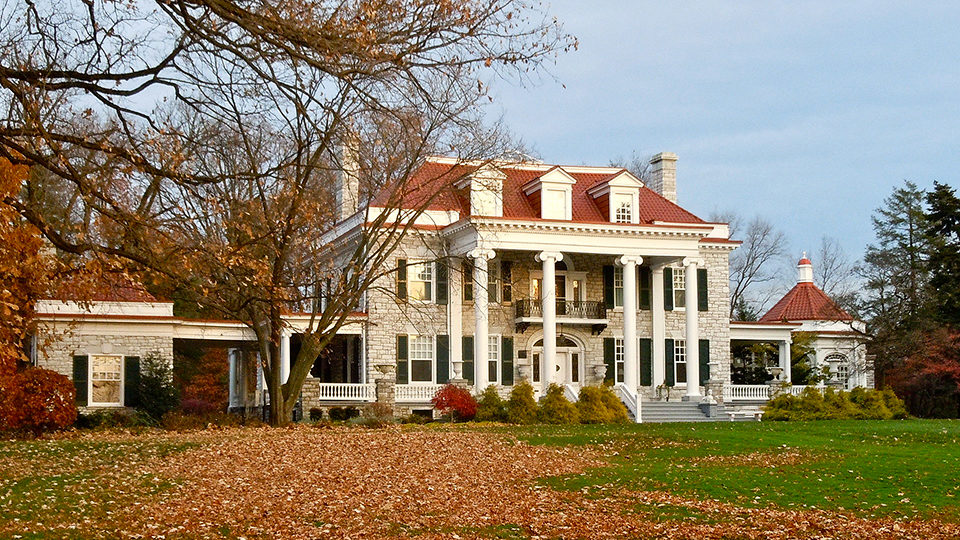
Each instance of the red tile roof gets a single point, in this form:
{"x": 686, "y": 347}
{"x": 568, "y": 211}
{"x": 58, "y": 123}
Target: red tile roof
{"x": 432, "y": 185}
{"x": 806, "y": 302}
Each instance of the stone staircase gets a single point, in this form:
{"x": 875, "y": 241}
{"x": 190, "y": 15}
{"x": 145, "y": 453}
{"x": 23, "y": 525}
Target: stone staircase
{"x": 674, "y": 411}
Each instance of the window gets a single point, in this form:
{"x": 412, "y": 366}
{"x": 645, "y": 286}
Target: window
{"x": 493, "y": 281}
{"x": 421, "y": 279}
{"x": 467, "y": 280}
{"x": 679, "y": 288}
{"x": 618, "y": 286}
{"x": 421, "y": 359}
{"x": 555, "y": 204}
{"x": 536, "y": 367}
{"x": 680, "y": 360}
{"x": 106, "y": 379}
{"x": 618, "y": 357}
{"x": 493, "y": 359}
{"x": 623, "y": 208}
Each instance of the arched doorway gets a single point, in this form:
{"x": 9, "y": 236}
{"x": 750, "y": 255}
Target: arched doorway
{"x": 569, "y": 368}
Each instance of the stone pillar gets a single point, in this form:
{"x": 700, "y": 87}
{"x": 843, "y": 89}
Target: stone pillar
{"x": 693, "y": 329}
{"x": 481, "y": 301}
{"x": 630, "y": 356}
{"x": 284, "y": 357}
{"x": 659, "y": 326}
{"x": 386, "y": 385}
{"x": 548, "y": 369}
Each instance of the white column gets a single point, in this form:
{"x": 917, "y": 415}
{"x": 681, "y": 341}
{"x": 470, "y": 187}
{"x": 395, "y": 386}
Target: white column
{"x": 693, "y": 330}
{"x": 548, "y": 370}
{"x": 284, "y": 357}
{"x": 232, "y": 360}
{"x": 455, "y": 321}
{"x": 785, "y": 360}
{"x": 481, "y": 301}
{"x": 631, "y": 359}
{"x": 659, "y": 326}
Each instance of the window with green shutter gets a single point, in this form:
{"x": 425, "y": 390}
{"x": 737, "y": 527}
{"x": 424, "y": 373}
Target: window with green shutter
{"x": 468, "y": 365}
{"x": 646, "y": 362}
{"x": 443, "y": 359}
{"x": 131, "y": 381}
{"x": 646, "y": 287}
{"x": 610, "y": 359}
{"x": 443, "y": 282}
{"x": 402, "y": 279}
{"x": 403, "y": 369}
{"x": 81, "y": 378}
{"x": 506, "y": 361}
{"x": 670, "y": 378}
{"x": 668, "y": 289}
{"x": 703, "y": 300}
{"x": 704, "y": 361}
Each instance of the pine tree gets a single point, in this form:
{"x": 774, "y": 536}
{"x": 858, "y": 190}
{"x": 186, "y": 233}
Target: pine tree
{"x": 943, "y": 229}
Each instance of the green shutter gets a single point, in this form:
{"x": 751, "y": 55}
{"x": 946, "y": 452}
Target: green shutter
{"x": 467, "y": 281}
{"x": 704, "y": 361}
{"x": 646, "y": 287}
{"x": 668, "y": 289}
{"x": 610, "y": 359}
{"x": 670, "y": 378}
{"x": 608, "y": 294}
{"x": 403, "y": 371}
{"x": 703, "y": 303}
{"x": 506, "y": 361}
{"x": 443, "y": 282}
{"x": 443, "y": 359}
{"x": 131, "y": 381}
{"x": 506, "y": 278}
{"x": 467, "y": 351}
{"x": 402, "y": 279}
{"x": 646, "y": 362}
{"x": 492, "y": 283}
{"x": 81, "y": 366}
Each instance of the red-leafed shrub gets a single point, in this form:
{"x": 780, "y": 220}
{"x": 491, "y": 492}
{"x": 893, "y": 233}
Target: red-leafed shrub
{"x": 37, "y": 400}
{"x": 456, "y": 402}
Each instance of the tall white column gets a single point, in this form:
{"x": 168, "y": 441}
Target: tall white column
{"x": 785, "y": 360}
{"x": 693, "y": 330}
{"x": 630, "y": 356}
{"x": 481, "y": 301}
{"x": 659, "y": 326}
{"x": 548, "y": 371}
{"x": 284, "y": 357}
{"x": 455, "y": 321}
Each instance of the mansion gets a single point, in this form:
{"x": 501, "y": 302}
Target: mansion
{"x": 510, "y": 271}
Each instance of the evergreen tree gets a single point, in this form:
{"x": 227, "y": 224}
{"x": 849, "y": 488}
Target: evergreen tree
{"x": 943, "y": 229}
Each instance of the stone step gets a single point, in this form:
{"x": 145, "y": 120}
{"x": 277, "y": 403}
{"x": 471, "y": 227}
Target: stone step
{"x": 678, "y": 411}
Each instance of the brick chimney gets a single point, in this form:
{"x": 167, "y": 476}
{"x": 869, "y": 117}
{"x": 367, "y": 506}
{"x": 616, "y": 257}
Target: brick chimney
{"x": 663, "y": 176}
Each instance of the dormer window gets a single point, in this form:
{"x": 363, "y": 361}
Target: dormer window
{"x": 618, "y": 198}
{"x": 553, "y": 193}
{"x": 486, "y": 191}
{"x": 623, "y": 209}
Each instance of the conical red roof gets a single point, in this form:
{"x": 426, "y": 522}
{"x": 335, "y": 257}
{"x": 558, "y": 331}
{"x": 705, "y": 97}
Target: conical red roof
{"x": 806, "y": 302}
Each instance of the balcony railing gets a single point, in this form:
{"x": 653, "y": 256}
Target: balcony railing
{"x": 566, "y": 309}
{"x": 347, "y": 392}
{"x": 417, "y": 393}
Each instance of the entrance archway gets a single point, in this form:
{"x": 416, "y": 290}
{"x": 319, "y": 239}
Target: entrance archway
{"x": 570, "y": 362}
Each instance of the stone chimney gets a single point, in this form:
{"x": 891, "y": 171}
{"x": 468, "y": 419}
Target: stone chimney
{"x": 348, "y": 179}
{"x": 663, "y": 175}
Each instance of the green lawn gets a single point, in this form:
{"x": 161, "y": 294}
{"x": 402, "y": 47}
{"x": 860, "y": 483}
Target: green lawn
{"x": 895, "y": 469}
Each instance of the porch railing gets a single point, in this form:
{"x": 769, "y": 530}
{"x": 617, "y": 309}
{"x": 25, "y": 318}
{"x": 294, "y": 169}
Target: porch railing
{"x": 418, "y": 393}
{"x": 566, "y": 309}
{"x": 746, "y": 392}
{"x": 347, "y": 392}
{"x": 797, "y": 390}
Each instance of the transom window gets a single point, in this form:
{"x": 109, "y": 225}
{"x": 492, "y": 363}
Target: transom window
{"x": 679, "y": 287}
{"x": 421, "y": 359}
{"x": 680, "y": 360}
{"x": 106, "y": 377}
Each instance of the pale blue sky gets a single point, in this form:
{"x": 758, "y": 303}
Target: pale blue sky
{"x": 806, "y": 112}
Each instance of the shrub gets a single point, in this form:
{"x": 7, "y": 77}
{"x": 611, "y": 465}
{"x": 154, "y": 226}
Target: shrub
{"x": 522, "y": 408}
{"x": 599, "y": 405}
{"x": 456, "y": 402}
{"x": 316, "y": 414}
{"x": 158, "y": 395}
{"x": 555, "y": 408}
{"x": 37, "y": 400}
{"x": 114, "y": 419}
{"x": 342, "y": 414}
{"x": 197, "y": 407}
{"x": 490, "y": 407}
{"x": 859, "y": 403}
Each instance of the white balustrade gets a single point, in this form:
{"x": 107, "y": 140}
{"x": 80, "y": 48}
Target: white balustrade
{"x": 630, "y": 399}
{"x": 419, "y": 393}
{"x": 746, "y": 392}
{"x": 347, "y": 392}
{"x": 797, "y": 390}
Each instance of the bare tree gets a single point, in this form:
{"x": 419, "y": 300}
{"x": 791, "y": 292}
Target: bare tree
{"x": 753, "y": 263}
{"x": 836, "y": 274}
{"x": 199, "y": 140}
{"x": 637, "y": 163}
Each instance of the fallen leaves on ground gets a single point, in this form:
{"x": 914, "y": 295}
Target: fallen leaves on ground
{"x": 429, "y": 483}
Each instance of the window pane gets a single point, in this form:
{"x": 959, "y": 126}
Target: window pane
{"x": 618, "y": 286}
{"x": 493, "y": 357}
{"x": 421, "y": 371}
{"x": 623, "y": 209}
{"x": 421, "y": 359}
{"x": 680, "y": 360}
{"x": 679, "y": 286}
{"x": 420, "y": 286}
{"x": 619, "y": 356}
{"x": 106, "y": 374}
